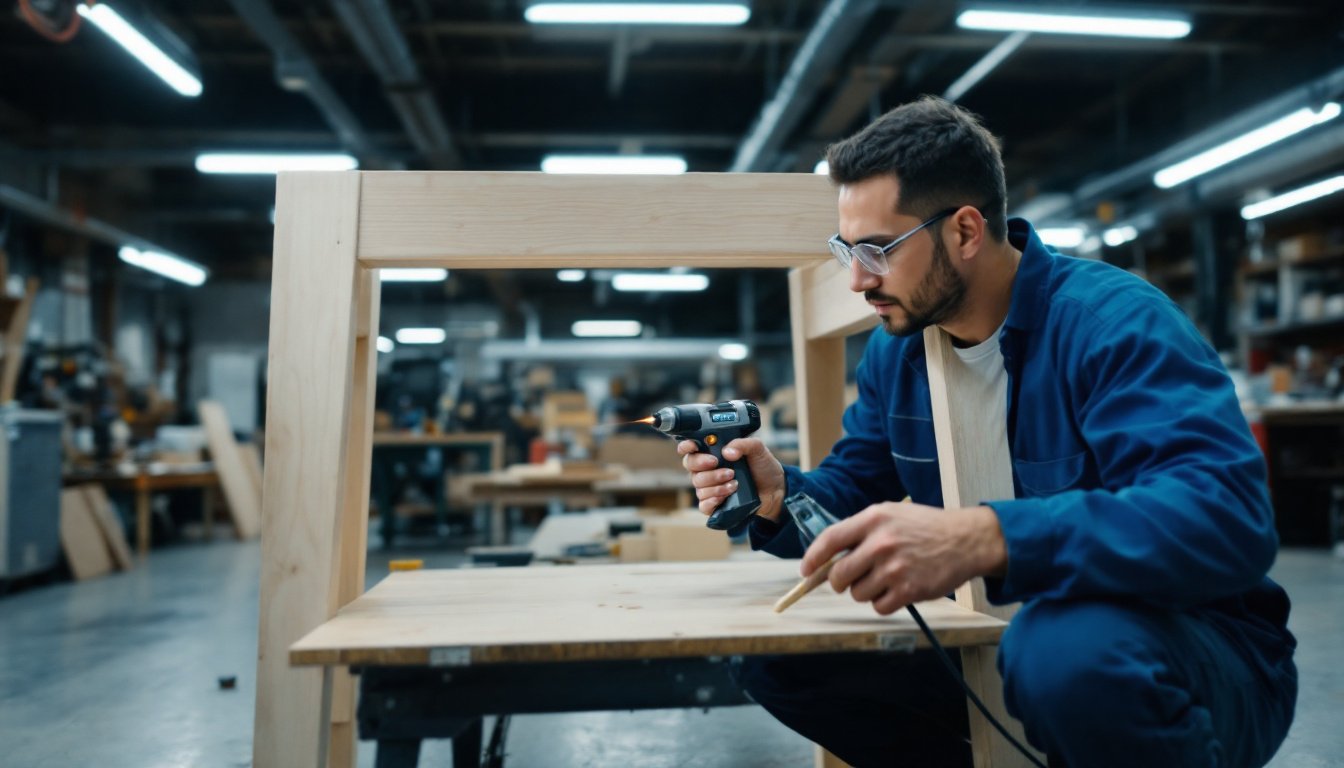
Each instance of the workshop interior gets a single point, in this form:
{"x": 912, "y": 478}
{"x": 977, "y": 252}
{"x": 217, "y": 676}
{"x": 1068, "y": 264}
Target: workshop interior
{"x": 370, "y": 372}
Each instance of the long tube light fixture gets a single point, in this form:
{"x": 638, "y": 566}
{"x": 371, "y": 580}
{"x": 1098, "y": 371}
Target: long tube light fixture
{"x": 105, "y": 18}
{"x": 1116, "y": 236}
{"x": 1164, "y": 26}
{"x": 1245, "y": 144}
{"x": 421, "y": 336}
{"x": 734, "y": 351}
{"x": 614, "y": 164}
{"x": 716, "y": 14}
{"x": 385, "y": 344}
{"x": 1293, "y": 197}
{"x": 414, "y": 275}
{"x": 607, "y": 328}
{"x": 658, "y": 281}
{"x": 165, "y": 264}
{"x": 272, "y": 162}
{"x": 1062, "y": 237}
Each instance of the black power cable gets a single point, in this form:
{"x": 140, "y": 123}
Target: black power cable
{"x": 957, "y": 675}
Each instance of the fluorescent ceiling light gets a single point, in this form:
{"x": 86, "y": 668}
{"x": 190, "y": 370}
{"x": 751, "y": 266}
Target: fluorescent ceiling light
{"x": 416, "y": 275}
{"x": 656, "y": 164}
{"x": 268, "y": 162}
{"x": 733, "y": 351}
{"x": 658, "y": 281}
{"x": 723, "y": 14}
{"x": 421, "y": 336}
{"x": 128, "y": 37}
{"x": 1292, "y": 198}
{"x": 570, "y": 275}
{"x": 385, "y": 344}
{"x": 1119, "y": 235}
{"x": 590, "y": 328}
{"x": 165, "y": 264}
{"x": 822, "y": 168}
{"x": 1061, "y": 237}
{"x": 1245, "y": 144}
{"x": 1164, "y": 26}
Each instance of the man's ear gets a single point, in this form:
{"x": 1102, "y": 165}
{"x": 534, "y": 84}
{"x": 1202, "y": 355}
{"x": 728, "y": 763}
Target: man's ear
{"x": 969, "y": 231}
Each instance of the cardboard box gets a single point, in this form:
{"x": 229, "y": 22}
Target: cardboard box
{"x": 684, "y": 538}
{"x": 636, "y": 547}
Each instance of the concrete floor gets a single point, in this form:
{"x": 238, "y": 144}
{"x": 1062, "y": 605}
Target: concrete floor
{"x": 123, "y": 670}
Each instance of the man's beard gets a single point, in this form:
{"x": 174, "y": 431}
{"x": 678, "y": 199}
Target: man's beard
{"x": 937, "y": 298}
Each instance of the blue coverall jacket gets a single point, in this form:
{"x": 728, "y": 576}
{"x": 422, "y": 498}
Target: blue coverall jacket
{"x": 1135, "y": 473}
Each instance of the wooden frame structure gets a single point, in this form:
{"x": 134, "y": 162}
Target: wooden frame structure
{"x": 334, "y": 230}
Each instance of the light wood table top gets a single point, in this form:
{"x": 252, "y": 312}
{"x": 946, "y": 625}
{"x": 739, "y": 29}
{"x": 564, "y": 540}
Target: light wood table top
{"x": 607, "y": 612}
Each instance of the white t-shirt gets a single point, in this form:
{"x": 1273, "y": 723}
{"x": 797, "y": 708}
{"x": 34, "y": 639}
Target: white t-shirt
{"x": 983, "y": 397}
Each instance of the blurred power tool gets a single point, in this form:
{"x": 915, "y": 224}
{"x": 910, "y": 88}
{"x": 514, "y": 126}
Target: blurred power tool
{"x": 712, "y": 426}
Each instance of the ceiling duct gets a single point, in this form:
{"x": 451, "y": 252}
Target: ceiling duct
{"x": 1139, "y": 175}
{"x": 830, "y": 40}
{"x": 36, "y": 208}
{"x": 381, "y": 43}
{"x": 295, "y": 71}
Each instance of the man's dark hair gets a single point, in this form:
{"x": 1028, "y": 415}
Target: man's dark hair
{"x": 941, "y": 155}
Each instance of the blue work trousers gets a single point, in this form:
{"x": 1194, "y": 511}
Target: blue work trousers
{"x": 1094, "y": 684}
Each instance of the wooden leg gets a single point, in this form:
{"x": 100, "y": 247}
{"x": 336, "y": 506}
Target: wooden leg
{"x": 354, "y": 525}
{"x": 309, "y": 401}
{"x": 142, "y": 522}
{"x": 819, "y": 376}
{"x": 467, "y": 745}
{"x": 208, "y": 511}
{"x": 972, "y": 468}
{"x": 821, "y": 758}
{"x": 398, "y": 753}
{"x": 499, "y": 523}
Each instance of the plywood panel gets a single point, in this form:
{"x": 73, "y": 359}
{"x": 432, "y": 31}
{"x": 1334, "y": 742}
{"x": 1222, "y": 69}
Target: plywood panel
{"x": 85, "y": 549}
{"x": 110, "y": 525}
{"x": 239, "y": 491}
{"x": 535, "y": 220}
{"x": 598, "y": 612}
{"x": 309, "y": 396}
{"x": 252, "y": 463}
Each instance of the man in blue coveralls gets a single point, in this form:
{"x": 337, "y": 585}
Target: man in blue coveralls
{"x": 1141, "y": 532}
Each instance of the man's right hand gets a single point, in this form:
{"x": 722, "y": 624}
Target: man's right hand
{"x": 714, "y": 483}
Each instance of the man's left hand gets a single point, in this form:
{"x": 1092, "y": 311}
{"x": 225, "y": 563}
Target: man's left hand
{"x": 903, "y": 553}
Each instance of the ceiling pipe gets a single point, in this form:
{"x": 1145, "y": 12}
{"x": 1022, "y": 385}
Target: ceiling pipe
{"x": 830, "y": 40}
{"x": 381, "y": 43}
{"x": 295, "y": 71}
{"x": 1140, "y": 174}
{"x": 1272, "y": 169}
{"x": 36, "y": 208}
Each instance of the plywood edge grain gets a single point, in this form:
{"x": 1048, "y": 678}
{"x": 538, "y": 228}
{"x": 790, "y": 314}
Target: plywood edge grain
{"x": 979, "y": 630}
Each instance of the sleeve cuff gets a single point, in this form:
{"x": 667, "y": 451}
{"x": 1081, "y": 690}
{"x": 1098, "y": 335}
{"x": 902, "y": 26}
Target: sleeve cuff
{"x": 1028, "y": 532}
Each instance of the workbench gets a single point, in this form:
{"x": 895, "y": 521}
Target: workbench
{"x": 144, "y": 480}
{"x": 436, "y": 650}
{"x": 390, "y": 447}
{"x": 663, "y": 489}
{"x": 335, "y": 232}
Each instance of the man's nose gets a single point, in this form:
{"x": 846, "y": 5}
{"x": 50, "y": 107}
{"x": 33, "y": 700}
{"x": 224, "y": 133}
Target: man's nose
{"x": 860, "y": 279}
